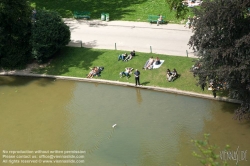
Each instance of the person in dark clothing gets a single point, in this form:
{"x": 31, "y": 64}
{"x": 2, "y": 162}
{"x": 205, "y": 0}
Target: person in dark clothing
{"x": 213, "y": 88}
{"x": 137, "y": 77}
{"x": 132, "y": 53}
{"x": 203, "y": 86}
{"x": 214, "y": 92}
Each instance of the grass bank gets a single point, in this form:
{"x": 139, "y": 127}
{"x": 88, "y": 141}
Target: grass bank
{"x": 76, "y": 62}
{"x": 126, "y": 10}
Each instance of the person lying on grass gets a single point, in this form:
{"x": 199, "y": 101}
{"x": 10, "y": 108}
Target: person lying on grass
{"x": 126, "y": 73}
{"x": 122, "y": 56}
{"x": 95, "y": 71}
{"x": 149, "y": 64}
{"x": 129, "y": 57}
{"x": 92, "y": 73}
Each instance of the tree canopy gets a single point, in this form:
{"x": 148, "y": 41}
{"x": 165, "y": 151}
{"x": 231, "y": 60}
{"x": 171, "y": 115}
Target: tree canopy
{"x": 27, "y": 34}
{"x": 222, "y": 41}
{"x": 15, "y": 30}
{"x": 179, "y": 7}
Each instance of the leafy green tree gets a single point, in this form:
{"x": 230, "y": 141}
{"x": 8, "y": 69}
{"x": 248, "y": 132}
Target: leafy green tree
{"x": 49, "y": 34}
{"x": 181, "y": 10}
{"x": 15, "y": 32}
{"x": 222, "y": 40}
{"x": 207, "y": 152}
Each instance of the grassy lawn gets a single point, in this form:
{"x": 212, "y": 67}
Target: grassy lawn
{"x": 126, "y": 10}
{"x": 75, "y": 62}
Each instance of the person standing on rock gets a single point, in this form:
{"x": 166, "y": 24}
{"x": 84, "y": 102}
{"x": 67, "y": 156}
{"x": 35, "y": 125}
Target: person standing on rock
{"x": 137, "y": 77}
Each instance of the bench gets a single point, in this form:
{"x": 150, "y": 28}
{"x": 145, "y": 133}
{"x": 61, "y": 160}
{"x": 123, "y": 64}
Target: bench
{"x": 154, "y": 19}
{"x": 81, "y": 14}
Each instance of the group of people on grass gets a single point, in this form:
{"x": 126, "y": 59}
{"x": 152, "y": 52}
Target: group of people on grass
{"x": 126, "y": 57}
{"x": 150, "y": 62}
{"x": 96, "y": 71}
{"x": 128, "y": 72}
{"x": 171, "y": 76}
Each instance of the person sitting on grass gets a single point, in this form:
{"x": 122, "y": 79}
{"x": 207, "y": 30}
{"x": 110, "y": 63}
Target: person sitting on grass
{"x": 157, "y": 61}
{"x": 126, "y": 73}
{"x": 132, "y": 53}
{"x": 122, "y": 56}
{"x": 173, "y": 76}
{"x": 168, "y": 74}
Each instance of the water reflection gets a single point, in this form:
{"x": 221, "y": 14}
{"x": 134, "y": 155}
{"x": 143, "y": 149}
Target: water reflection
{"x": 147, "y": 131}
{"x": 153, "y": 128}
{"x": 138, "y": 96}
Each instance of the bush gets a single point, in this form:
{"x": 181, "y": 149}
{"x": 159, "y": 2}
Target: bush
{"x": 49, "y": 34}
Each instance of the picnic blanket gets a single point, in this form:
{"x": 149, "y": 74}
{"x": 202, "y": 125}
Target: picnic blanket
{"x": 157, "y": 66}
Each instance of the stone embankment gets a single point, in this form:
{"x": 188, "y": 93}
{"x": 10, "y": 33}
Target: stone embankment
{"x": 28, "y": 73}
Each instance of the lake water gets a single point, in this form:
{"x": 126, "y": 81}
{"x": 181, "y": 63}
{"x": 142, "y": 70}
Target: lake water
{"x": 40, "y": 119}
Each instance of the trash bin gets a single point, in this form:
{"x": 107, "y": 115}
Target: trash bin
{"x": 107, "y": 16}
{"x": 103, "y": 17}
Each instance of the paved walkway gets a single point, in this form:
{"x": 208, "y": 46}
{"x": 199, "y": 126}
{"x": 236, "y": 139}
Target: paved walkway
{"x": 169, "y": 39}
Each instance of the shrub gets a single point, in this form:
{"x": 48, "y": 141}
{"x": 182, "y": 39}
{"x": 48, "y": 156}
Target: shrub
{"x": 49, "y": 34}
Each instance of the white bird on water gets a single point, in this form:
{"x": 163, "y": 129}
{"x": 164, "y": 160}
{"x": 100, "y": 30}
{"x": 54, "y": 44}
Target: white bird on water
{"x": 114, "y": 125}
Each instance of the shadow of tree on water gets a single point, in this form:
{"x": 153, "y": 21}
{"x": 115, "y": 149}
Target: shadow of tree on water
{"x": 15, "y": 81}
{"x": 230, "y": 108}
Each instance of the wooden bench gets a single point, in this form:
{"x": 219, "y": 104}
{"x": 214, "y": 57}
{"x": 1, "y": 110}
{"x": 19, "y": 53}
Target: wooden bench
{"x": 154, "y": 19}
{"x": 81, "y": 14}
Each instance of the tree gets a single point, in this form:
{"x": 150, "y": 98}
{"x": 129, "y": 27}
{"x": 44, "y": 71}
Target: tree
{"x": 207, "y": 152}
{"x": 222, "y": 39}
{"x": 49, "y": 34}
{"x": 15, "y": 33}
{"x": 179, "y": 7}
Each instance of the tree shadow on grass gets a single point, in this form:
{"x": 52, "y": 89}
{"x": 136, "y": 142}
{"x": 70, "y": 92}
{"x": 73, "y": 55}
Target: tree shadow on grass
{"x": 116, "y": 9}
{"x": 72, "y": 61}
{"x": 68, "y": 61}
